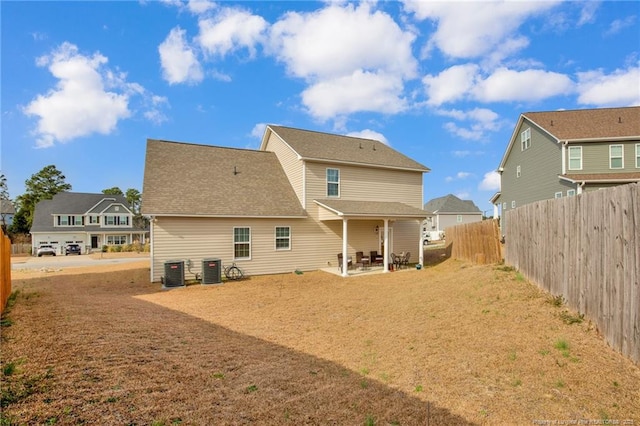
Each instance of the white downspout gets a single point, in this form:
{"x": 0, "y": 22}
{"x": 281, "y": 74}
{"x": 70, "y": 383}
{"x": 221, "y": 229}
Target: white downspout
{"x": 420, "y": 245}
{"x": 345, "y": 259}
{"x": 564, "y": 157}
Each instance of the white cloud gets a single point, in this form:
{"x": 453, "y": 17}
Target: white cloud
{"x": 80, "y": 104}
{"x": 451, "y": 84}
{"x": 230, "y": 30}
{"x": 506, "y": 85}
{"x": 477, "y": 29}
{"x": 360, "y": 91}
{"x": 620, "y": 24}
{"x": 337, "y": 40}
{"x": 369, "y": 134}
{"x": 258, "y": 130}
{"x": 620, "y": 88}
{"x": 458, "y": 176}
{"x": 482, "y": 120}
{"x": 200, "y": 6}
{"x": 491, "y": 182}
{"x": 178, "y": 59}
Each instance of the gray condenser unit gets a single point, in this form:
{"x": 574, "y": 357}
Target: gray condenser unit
{"x": 173, "y": 274}
{"x": 211, "y": 271}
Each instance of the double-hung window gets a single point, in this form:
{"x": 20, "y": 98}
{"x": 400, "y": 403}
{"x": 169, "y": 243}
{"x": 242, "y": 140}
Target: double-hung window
{"x": 575, "y": 158}
{"x": 283, "y": 238}
{"x": 616, "y": 157}
{"x": 638, "y": 156}
{"x": 333, "y": 183}
{"x": 518, "y": 171}
{"x": 242, "y": 243}
{"x": 525, "y": 139}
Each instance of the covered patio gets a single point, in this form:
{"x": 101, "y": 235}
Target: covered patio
{"x": 382, "y": 215}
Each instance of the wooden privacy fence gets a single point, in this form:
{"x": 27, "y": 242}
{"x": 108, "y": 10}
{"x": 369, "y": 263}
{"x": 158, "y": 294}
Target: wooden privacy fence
{"x": 477, "y": 242}
{"x": 585, "y": 248}
{"x": 5, "y": 270}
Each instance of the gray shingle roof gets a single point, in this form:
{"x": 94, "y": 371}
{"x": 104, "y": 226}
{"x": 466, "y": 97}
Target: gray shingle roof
{"x": 71, "y": 203}
{"x": 371, "y": 208}
{"x": 203, "y": 180}
{"x": 450, "y": 204}
{"x": 589, "y": 123}
{"x": 328, "y": 147}
{"x": 6, "y": 207}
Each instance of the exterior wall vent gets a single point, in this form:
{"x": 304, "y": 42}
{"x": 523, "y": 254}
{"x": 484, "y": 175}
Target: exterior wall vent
{"x": 211, "y": 271}
{"x": 173, "y": 274}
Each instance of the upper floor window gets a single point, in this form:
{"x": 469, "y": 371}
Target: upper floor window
{"x": 616, "y": 157}
{"x": 283, "y": 238}
{"x": 333, "y": 183}
{"x": 459, "y": 218}
{"x": 242, "y": 243}
{"x": 525, "y": 139}
{"x": 575, "y": 158}
{"x": 116, "y": 220}
{"x": 513, "y": 204}
{"x": 571, "y": 192}
{"x": 68, "y": 220}
{"x": 558, "y": 194}
{"x": 638, "y": 155}
{"x": 94, "y": 219}
{"x": 518, "y": 172}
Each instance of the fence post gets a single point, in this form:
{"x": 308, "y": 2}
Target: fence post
{"x": 5, "y": 270}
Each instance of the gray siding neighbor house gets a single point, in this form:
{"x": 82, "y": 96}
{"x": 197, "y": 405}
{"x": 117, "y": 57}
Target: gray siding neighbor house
{"x": 448, "y": 211}
{"x": 564, "y": 153}
{"x": 90, "y": 220}
{"x": 295, "y": 204}
{"x": 7, "y": 212}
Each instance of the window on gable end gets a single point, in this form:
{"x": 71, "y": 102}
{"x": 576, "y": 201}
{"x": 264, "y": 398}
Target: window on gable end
{"x": 525, "y": 139}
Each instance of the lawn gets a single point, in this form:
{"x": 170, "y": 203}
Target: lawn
{"x": 450, "y": 344}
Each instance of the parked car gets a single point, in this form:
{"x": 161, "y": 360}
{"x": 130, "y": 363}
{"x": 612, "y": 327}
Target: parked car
{"x": 72, "y": 249}
{"x": 46, "y": 250}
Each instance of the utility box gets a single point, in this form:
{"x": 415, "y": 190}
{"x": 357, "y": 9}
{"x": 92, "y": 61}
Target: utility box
{"x": 173, "y": 274}
{"x": 211, "y": 271}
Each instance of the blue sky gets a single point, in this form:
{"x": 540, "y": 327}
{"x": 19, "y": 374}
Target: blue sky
{"x": 84, "y": 84}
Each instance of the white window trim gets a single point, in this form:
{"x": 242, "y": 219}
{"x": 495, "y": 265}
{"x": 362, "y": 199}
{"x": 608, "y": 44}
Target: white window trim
{"x": 638, "y": 156}
{"x": 328, "y": 182}
{"x": 513, "y": 204}
{"x": 558, "y": 194}
{"x": 459, "y": 218}
{"x": 621, "y": 157}
{"x": 234, "y": 243}
{"x": 575, "y": 148}
{"x": 525, "y": 139}
{"x": 518, "y": 171}
{"x": 571, "y": 192}
{"x": 276, "y": 238}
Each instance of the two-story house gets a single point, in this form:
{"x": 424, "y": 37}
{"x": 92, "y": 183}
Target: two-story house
{"x": 294, "y": 204}
{"x": 90, "y": 220}
{"x": 557, "y": 154}
{"x": 446, "y": 211}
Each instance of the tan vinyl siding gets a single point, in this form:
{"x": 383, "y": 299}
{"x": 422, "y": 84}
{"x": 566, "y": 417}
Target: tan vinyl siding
{"x": 595, "y": 158}
{"x": 365, "y": 184}
{"x": 407, "y": 237}
{"x": 290, "y": 164}
{"x": 447, "y": 220}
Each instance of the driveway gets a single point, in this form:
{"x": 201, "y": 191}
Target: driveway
{"x": 37, "y": 263}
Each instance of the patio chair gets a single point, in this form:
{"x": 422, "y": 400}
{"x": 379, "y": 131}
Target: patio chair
{"x": 375, "y": 258}
{"x": 349, "y": 262}
{"x": 405, "y": 259}
{"x": 362, "y": 261}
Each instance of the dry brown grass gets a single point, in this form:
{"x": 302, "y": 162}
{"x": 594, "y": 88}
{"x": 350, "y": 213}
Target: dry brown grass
{"x": 450, "y": 344}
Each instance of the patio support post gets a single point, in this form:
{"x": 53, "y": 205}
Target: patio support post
{"x": 386, "y": 246}
{"x": 345, "y": 259}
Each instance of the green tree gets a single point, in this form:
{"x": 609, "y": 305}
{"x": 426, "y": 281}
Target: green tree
{"x": 112, "y": 191}
{"x": 134, "y": 197}
{"x": 40, "y": 186}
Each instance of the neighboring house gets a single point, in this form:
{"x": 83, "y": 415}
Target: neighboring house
{"x": 294, "y": 204}
{"x": 446, "y": 211}
{"x": 564, "y": 153}
{"x": 7, "y": 212}
{"x": 90, "y": 220}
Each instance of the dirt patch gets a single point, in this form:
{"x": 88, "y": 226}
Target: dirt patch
{"x": 450, "y": 344}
